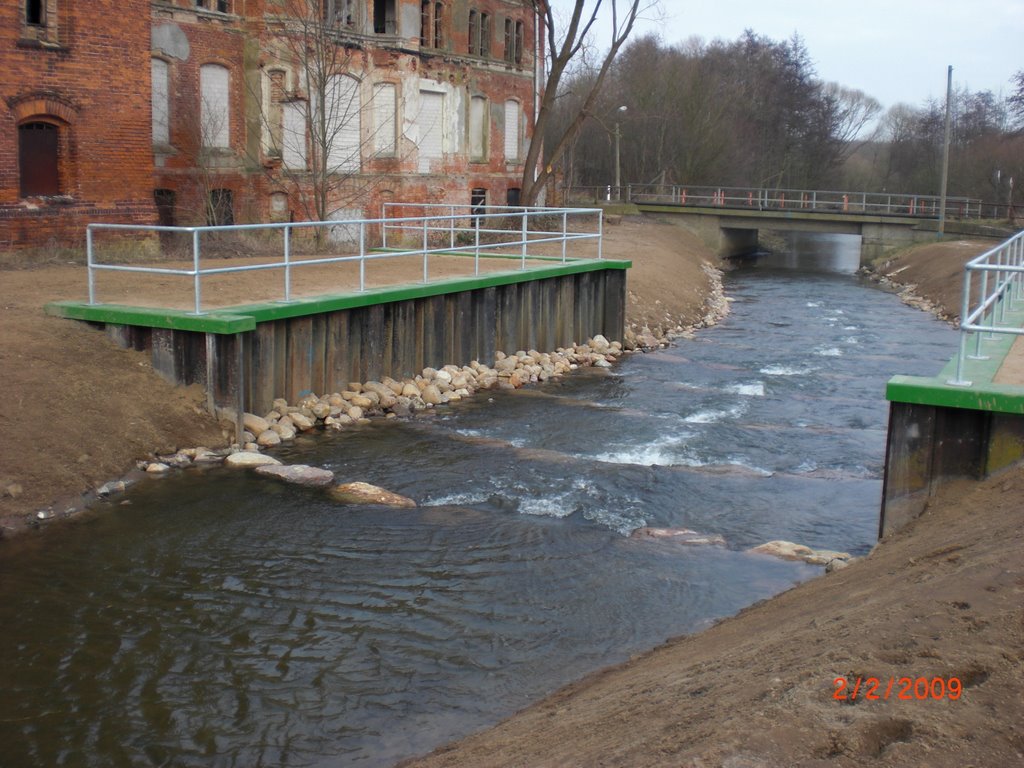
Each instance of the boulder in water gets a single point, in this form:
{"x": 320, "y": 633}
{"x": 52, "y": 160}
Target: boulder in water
{"x": 787, "y": 550}
{"x": 679, "y": 536}
{"x": 298, "y": 474}
{"x": 364, "y": 493}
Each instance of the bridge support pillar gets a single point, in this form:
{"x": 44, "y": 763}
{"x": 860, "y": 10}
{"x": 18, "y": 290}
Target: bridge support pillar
{"x": 880, "y": 239}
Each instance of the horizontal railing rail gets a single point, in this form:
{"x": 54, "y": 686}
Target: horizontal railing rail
{"x": 1000, "y": 275}
{"x": 830, "y": 201}
{"x": 462, "y": 230}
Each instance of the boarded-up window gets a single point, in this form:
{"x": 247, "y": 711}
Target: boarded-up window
{"x": 341, "y": 141}
{"x": 384, "y": 119}
{"x": 431, "y": 125}
{"x": 38, "y": 159}
{"x": 160, "y": 104}
{"x": 478, "y": 128}
{"x": 512, "y": 141}
{"x": 293, "y": 134}
{"x": 214, "y": 109}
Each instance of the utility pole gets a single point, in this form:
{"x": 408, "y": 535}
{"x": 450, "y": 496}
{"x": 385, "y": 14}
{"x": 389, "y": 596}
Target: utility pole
{"x": 618, "y": 165}
{"x": 945, "y": 153}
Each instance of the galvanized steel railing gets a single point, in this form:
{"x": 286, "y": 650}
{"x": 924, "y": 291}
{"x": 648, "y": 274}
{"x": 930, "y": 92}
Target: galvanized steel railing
{"x": 1001, "y": 274}
{"x": 459, "y": 230}
{"x": 824, "y": 201}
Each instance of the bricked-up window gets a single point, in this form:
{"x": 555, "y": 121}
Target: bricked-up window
{"x": 384, "y": 20}
{"x": 385, "y": 122}
{"x": 35, "y": 12}
{"x": 214, "y": 109}
{"x": 478, "y": 129}
{"x": 38, "y": 159}
{"x": 512, "y": 139}
{"x": 160, "y": 102}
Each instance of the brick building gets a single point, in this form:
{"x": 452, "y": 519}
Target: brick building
{"x": 74, "y": 119}
{"x": 219, "y": 111}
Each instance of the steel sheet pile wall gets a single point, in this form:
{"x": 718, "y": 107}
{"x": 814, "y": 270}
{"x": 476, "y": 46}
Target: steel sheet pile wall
{"x": 323, "y": 352}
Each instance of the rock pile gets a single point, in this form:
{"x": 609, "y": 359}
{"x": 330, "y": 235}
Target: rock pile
{"x": 673, "y": 326}
{"x": 391, "y": 398}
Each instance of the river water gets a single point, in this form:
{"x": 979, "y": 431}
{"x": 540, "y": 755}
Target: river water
{"x": 215, "y": 618}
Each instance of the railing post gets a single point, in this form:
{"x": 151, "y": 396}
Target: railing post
{"x": 984, "y": 293}
{"x": 362, "y": 255}
{"x": 195, "y": 271}
{"x": 565, "y": 232}
{"x": 525, "y": 235}
{"x": 287, "y": 263}
{"x": 959, "y": 380}
{"x": 89, "y": 262}
{"x": 600, "y": 235}
{"x": 476, "y": 244}
{"x": 424, "y": 249}
{"x": 451, "y": 228}
{"x": 383, "y": 225}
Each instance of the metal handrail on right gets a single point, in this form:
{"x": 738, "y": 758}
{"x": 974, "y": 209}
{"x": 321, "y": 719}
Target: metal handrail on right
{"x": 1001, "y": 273}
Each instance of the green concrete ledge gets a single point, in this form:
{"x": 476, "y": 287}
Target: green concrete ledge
{"x": 241, "y": 318}
{"x": 982, "y": 394}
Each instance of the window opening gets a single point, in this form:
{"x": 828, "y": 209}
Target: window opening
{"x": 512, "y": 196}
{"x": 35, "y": 12}
{"x": 165, "y": 200}
{"x": 438, "y": 25}
{"x": 485, "y": 35}
{"x": 519, "y": 43}
{"x": 220, "y": 211}
{"x": 474, "y": 32}
{"x": 384, "y": 17}
{"x": 477, "y": 200}
{"x": 38, "y": 159}
{"x": 425, "y": 24}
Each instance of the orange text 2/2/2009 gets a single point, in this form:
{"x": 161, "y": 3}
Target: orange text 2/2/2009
{"x": 898, "y": 688}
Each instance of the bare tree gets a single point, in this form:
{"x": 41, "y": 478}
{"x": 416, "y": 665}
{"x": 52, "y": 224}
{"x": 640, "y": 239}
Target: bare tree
{"x": 563, "y": 50}
{"x": 312, "y": 104}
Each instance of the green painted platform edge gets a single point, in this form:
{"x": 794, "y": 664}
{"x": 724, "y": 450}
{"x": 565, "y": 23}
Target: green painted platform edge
{"x": 981, "y": 395}
{"x": 922, "y": 390}
{"x": 241, "y": 318}
{"x": 218, "y": 321}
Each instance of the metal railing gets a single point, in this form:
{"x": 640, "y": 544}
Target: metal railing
{"x": 463, "y": 230}
{"x": 826, "y": 201}
{"x": 1001, "y": 276}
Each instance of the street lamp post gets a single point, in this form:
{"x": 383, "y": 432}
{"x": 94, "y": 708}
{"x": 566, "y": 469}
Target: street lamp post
{"x": 618, "y": 164}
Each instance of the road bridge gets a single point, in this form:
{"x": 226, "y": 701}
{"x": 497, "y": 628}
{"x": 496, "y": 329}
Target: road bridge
{"x": 731, "y": 218}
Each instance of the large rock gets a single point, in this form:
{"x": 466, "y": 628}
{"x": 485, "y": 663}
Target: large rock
{"x": 679, "y": 536}
{"x": 268, "y": 438}
{"x": 364, "y": 493}
{"x": 255, "y": 424}
{"x": 432, "y": 395}
{"x": 787, "y": 550}
{"x": 244, "y": 459}
{"x": 298, "y": 474}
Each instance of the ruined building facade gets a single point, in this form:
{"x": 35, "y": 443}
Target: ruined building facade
{"x": 229, "y": 111}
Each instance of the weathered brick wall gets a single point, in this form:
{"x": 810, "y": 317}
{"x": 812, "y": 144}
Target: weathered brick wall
{"x": 89, "y": 74}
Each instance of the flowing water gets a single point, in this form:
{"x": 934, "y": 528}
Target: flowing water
{"x": 216, "y": 618}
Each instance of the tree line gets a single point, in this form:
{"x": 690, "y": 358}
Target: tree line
{"x": 752, "y": 112}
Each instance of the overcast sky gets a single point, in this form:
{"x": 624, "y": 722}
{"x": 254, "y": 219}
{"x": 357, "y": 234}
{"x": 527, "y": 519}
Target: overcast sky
{"x": 894, "y": 50}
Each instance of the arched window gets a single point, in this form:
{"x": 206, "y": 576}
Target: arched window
{"x": 39, "y": 159}
{"x": 214, "y": 106}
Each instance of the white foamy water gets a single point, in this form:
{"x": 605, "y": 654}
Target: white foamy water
{"x": 663, "y": 452}
{"x": 755, "y": 389}
{"x": 813, "y": 303}
{"x": 559, "y": 505}
{"x": 785, "y": 370}
{"x": 851, "y": 340}
{"x": 828, "y": 352}
{"x": 457, "y": 500}
{"x": 714, "y": 415}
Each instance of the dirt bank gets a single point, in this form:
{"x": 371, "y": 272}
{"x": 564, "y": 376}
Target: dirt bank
{"x": 78, "y": 411}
